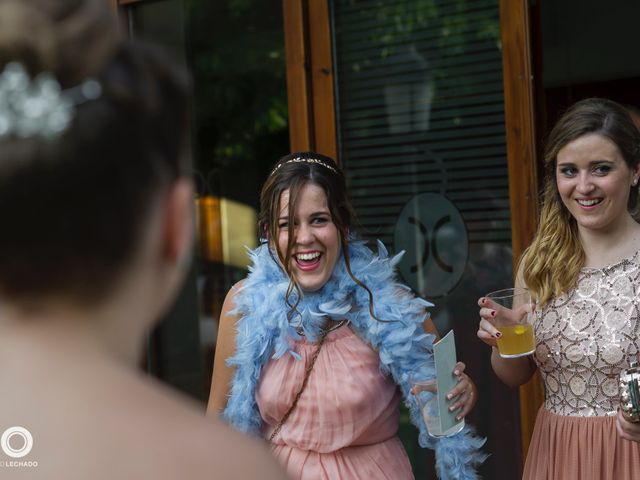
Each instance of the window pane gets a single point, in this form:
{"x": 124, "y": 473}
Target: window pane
{"x": 577, "y": 64}
{"x": 235, "y": 51}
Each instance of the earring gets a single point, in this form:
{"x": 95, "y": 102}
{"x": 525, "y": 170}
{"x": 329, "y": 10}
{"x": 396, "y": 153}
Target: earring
{"x": 635, "y": 182}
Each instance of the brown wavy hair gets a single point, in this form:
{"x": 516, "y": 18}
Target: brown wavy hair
{"x": 553, "y": 261}
{"x": 292, "y": 172}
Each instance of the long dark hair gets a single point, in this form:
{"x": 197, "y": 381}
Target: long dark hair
{"x": 292, "y": 172}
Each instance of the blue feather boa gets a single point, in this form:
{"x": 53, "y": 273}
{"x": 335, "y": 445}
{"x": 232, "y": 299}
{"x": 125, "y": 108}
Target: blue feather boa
{"x": 264, "y": 332}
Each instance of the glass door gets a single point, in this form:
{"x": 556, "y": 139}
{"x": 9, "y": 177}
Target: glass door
{"x": 239, "y": 127}
{"x": 421, "y": 135}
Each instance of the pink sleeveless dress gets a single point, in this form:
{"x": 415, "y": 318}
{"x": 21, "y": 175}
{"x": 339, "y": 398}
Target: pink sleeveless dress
{"x": 344, "y": 426}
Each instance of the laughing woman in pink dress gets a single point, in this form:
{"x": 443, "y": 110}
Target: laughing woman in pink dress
{"x": 583, "y": 267}
{"x": 316, "y": 345}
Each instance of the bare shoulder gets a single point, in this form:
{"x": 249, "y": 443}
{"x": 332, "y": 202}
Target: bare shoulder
{"x": 179, "y": 441}
{"x": 225, "y": 344}
{"x": 230, "y": 300}
{"x": 210, "y": 449}
{"x": 120, "y": 424}
{"x": 225, "y": 348}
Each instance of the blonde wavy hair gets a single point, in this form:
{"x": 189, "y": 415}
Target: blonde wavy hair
{"x": 551, "y": 264}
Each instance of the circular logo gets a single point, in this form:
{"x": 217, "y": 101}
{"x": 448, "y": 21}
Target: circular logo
{"x": 432, "y": 232}
{"x": 25, "y": 445}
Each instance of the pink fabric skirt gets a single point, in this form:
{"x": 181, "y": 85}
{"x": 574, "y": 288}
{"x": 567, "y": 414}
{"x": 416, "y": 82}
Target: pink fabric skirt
{"x": 380, "y": 461}
{"x": 580, "y": 448}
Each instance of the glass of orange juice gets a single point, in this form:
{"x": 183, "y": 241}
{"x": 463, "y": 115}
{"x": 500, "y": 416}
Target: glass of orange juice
{"x": 514, "y": 319}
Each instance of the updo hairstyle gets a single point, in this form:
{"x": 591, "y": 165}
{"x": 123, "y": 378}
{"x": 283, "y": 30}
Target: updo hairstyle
{"x": 73, "y": 207}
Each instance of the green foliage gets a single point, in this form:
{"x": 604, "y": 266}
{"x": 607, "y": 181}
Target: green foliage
{"x": 236, "y": 50}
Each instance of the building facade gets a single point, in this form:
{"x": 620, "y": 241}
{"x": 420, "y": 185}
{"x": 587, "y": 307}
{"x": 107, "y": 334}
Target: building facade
{"x": 436, "y": 110}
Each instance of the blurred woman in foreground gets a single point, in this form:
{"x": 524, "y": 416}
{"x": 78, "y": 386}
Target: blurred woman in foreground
{"x": 95, "y": 241}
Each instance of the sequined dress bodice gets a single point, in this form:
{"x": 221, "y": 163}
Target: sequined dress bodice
{"x": 584, "y": 338}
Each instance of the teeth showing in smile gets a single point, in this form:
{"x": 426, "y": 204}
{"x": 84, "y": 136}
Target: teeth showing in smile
{"x": 307, "y": 257}
{"x": 589, "y": 203}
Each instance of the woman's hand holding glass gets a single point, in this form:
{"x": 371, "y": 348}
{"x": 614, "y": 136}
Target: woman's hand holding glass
{"x": 493, "y": 315}
{"x": 487, "y": 332}
{"x": 506, "y": 322}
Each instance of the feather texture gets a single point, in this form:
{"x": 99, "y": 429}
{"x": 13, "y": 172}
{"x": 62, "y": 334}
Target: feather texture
{"x": 264, "y": 331}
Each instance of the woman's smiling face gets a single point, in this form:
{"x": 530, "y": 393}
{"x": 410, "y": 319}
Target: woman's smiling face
{"x": 594, "y": 181}
{"x": 316, "y": 245}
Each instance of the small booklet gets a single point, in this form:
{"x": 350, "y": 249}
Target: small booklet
{"x": 444, "y": 353}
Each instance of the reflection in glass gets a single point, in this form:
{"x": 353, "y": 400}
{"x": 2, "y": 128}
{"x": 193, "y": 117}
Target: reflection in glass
{"x": 235, "y": 51}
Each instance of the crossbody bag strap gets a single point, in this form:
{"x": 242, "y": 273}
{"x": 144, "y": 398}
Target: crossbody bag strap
{"x": 285, "y": 417}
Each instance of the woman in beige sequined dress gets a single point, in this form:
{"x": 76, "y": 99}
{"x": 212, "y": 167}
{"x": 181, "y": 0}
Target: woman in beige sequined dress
{"x": 583, "y": 268}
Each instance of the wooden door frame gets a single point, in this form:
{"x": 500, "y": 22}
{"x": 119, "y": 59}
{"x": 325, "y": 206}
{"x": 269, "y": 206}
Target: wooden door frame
{"x": 310, "y": 76}
{"x": 519, "y": 106}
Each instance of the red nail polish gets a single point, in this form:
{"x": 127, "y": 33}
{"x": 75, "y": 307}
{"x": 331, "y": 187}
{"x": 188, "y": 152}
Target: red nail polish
{"x": 498, "y": 335}
{"x": 493, "y": 313}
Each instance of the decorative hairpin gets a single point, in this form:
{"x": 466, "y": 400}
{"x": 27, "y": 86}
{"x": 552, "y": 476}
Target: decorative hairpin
{"x": 303, "y": 160}
{"x": 38, "y": 106}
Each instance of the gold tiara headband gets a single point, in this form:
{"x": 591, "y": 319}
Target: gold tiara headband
{"x": 303, "y": 160}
